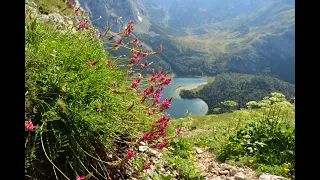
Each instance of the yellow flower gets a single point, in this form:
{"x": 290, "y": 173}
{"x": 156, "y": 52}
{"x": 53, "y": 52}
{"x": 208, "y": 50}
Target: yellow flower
{"x": 194, "y": 159}
{"x": 286, "y": 170}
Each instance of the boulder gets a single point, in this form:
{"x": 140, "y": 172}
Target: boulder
{"x": 143, "y": 148}
{"x": 239, "y": 176}
{"x": 266, "y": 176}
{"x": 57, "y": 18}
{"x": 223, "y": 172}
{"x": 233, "y": 171}
{"x": 223, "y": 177}
{"x": 199, "y": 151}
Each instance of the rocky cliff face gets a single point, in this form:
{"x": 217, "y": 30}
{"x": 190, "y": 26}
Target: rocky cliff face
{"x": 115, "y": 12}
{"x": 70, "y": 20}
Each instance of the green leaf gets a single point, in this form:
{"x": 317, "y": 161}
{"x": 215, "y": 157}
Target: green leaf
{"x": 163, "y": 177}
{"x": 33, "y": 24}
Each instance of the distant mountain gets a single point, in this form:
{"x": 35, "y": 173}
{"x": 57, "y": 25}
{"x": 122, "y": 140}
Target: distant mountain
{"x": 208, "y": 37}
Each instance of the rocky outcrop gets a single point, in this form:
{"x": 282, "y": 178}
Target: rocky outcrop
{"x": 115, "y": 12}
{"x": 32, "y": 10}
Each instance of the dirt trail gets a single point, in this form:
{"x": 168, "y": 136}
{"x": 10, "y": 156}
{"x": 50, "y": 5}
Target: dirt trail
{"x": 213, "y": 170}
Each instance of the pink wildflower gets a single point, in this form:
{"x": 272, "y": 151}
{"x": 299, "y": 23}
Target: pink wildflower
{"x": 77, "y": 10}
{"x": 83, "y": 25}
{"x": 100, "y": 34}
{"x": 165, "y": 104}
{"x": 161, "y": 124}
{"x": 163, "y": 132}
{"x": 160, "y": 46}
{"x": 115, "y": 84}
{"x": 167, "y": 81}
{"x": 147, "y": 165}
{"x": 127, "y": 33}
{"x": 136, "y": 58}
{"x": 90, "y": 64}
{"x": 164, "y": 122}
{"x": 29, "y": 126}
{"x": 70, "y": 4}
{"x": 157, "y": 97}
{"x": 135, "y": 84}
{"x": 144, "y": 54}
{"x": 135, "y": 41}
{"x": 160, "y": 88}
{"x": 162, "y": 119}
{"x": 160, "y": 74}
{"x": 154, "y": 78}
{"x": 131, "y": 22}
{"x": 155, "y": 136}
{"x": 146, "y": 92}
{"x": 142, "y": 66}
{"x": 117, "y": 42}
{"x": 130, "y": 154}
{"x": 178, "y": 131}
{"x": 161, "y": 145}
{"x": 147, "y": 136}
{"x": 81, "y": 178}
{"x": 150, "y": 113}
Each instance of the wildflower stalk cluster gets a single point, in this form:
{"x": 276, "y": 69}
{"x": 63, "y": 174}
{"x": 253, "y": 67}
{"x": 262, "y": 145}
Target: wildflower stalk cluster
{"x": 66, "y": 108}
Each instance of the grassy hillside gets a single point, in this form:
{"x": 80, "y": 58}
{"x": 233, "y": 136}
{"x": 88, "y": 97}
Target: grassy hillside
{"x": 228, "y": 135}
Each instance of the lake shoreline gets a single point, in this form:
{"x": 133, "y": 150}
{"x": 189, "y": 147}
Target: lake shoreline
{"x": 190, "y": 87}
{"x": 184, "y": 107}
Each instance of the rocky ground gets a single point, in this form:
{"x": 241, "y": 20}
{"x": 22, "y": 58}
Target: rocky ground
{"x": 213, "y": 170}
{"x": 206, "y": 162}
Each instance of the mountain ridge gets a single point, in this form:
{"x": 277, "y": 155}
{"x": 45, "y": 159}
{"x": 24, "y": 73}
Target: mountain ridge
{"x": 255, "y": 37}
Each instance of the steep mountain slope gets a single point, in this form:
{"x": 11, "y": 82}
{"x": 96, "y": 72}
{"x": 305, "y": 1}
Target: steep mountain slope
{"x": 208, "y": 37}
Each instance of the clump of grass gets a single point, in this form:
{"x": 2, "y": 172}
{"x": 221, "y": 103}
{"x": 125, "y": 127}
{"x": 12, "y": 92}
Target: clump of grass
{"x": 182, "y": 158}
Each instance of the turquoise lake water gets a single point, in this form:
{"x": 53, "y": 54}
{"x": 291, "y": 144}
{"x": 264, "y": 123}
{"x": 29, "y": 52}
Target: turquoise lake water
{"x": 183, "y": 107}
